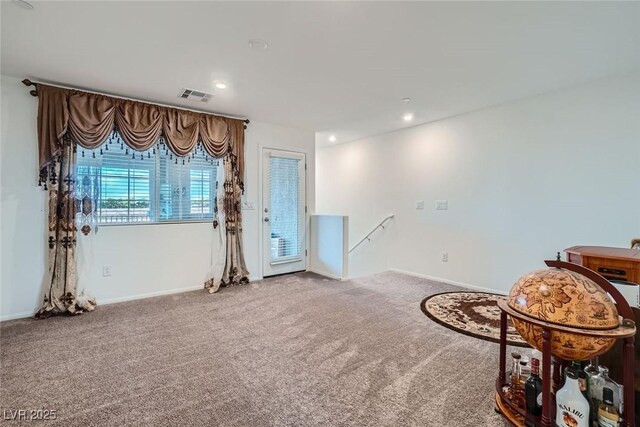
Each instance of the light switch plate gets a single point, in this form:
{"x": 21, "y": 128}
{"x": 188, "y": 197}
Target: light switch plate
{"x": 420, "y": 205}
{"x": 442, "y": 205}
{"x": 106, "y": 270}
{"x": 445, "y": 256}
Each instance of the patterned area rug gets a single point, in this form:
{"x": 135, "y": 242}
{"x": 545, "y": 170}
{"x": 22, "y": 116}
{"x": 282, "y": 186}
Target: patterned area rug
{"x": 470, "y": 313}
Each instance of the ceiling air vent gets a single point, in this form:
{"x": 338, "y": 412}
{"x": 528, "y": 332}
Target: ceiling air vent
{"x": 195, "y": 95}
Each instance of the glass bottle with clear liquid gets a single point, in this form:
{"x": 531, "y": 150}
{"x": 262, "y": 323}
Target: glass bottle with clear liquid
{"x": 592, "y": 372}
{"x": 592, "y": 368}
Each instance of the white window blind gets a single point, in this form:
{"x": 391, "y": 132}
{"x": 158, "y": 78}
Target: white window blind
{"x": 286, "y": 228}
{"x": 150, "y": 186}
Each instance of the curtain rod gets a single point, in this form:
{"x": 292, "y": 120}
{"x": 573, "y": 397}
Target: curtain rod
{"x": 34, "y": 92}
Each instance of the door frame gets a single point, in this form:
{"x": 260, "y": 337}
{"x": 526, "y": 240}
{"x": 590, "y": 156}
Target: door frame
{"x": 261, "y": 153}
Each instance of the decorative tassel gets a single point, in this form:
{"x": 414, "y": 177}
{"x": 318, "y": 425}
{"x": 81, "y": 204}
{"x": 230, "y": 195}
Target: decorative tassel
{"x": 101, "y": 152}
{"x": 82, "y": 153}
{"x": 94, "y": 154}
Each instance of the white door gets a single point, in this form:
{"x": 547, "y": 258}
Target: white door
{"x": 283, "y": 212}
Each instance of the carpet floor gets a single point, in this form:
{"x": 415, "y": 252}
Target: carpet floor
{"x": 297, "y": 350}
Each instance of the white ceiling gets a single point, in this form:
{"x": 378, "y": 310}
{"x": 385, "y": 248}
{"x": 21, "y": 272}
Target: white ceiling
{"x": 333, "y": 67}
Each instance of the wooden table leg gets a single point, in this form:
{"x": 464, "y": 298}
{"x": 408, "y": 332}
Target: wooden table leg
{"x": 628, "y": 377}
{"x": 546, "y": 387}
{"x": 503, "y": 346}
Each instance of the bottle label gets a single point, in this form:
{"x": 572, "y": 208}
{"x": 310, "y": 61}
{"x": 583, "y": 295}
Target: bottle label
{"x": 606, "y": 422}
{"x": 569, "y": 417}
{"x": 539, "y": 399}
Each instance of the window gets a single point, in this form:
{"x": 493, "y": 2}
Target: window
{"x": 153, "y": 186}
{"x": 285, "y": 207}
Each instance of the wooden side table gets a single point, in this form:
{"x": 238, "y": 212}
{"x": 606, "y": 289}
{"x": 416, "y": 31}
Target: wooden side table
{"x": 611, "y": 263}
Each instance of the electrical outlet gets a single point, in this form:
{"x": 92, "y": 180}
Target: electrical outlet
{"x": 106, "y": 270}
{"x": 420, "y": 205}
{"x": 442, "y": 205}
{"x": 445, "y": 256}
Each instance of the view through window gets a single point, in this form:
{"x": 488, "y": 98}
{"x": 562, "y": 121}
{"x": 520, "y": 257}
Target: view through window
{"x": 150, "y": 186}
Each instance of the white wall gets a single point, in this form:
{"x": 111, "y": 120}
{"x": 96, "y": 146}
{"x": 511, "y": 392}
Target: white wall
{"x": 523, "y": 181}
{"x": 329, "y": 246}
{"x": 22, "y": 203}
{"x": 164, "y": 258}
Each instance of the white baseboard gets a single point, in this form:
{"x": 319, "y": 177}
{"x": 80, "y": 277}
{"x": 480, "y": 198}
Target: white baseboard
{"x": 148, "y": 295}
{"x": 14, "y": 316}
{"x": 159, "y": 293}
{"x": 450, "y": 282}
{"x": 108, "y": 301}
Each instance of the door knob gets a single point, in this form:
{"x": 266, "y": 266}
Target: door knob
{"x": 266, "y": 219}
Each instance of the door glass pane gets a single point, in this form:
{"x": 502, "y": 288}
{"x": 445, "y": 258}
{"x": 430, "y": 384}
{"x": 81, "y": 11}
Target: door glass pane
{"x": 285, "y": 205}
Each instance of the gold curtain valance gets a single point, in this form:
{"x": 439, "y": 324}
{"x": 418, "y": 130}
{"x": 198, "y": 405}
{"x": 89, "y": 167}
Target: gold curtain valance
{"x": 88, "y": 119}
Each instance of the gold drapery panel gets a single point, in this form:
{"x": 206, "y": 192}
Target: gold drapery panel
{"x": 235, "y": 269}
{"x": 88, "y": 119}
{"x": 60, "y": 287}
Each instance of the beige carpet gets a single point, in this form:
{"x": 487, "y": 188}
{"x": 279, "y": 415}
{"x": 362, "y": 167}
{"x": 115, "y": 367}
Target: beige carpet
{"x": 296, "y": 350}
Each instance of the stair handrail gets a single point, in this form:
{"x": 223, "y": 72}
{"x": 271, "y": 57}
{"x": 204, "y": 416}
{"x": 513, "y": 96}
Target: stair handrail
{"x": 381, "y": 224}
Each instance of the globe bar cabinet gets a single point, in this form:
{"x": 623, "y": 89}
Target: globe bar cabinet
{"x": 552, "y": 365}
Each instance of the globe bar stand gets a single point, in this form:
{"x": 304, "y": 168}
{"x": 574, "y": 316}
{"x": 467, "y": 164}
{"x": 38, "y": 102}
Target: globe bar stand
{"x": 626, "y": 331}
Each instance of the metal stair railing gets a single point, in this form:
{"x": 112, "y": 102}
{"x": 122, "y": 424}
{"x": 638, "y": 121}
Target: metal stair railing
{"x": 367, "y": 237}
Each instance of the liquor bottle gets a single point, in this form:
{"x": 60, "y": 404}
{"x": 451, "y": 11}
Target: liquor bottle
{"x": 537, "y": 354}
{"x": 572, "y": 409}
{"x": 596, "y": 386}
{"x": 583, "y": 378}
{"x": 607, "y": 412}
{"x": 525, "y": 368}
{"x": 614, "y": 387}
{"x": 592, "y": 368}
{"x": 533, "y": 391}
{"x": 516, "y": 380}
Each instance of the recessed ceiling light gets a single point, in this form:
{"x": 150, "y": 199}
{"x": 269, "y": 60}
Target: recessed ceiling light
{"x": 221, "y": 85}
{"x": 23, "y": 4}
{"x": 407, "y": 117}
{"x": 332, "y": 138}
{"x": 258, "y": 44}
{"x": 406, "y": 99}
